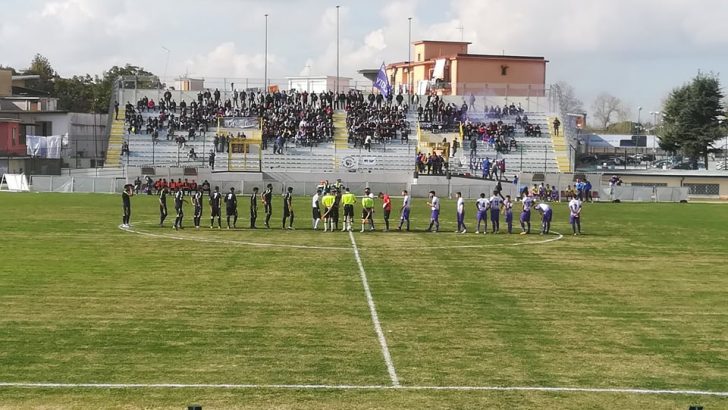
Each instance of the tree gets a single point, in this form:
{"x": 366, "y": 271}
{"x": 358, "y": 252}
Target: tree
{"x": 12, "y": 70}
{"x": 608, "y": 109}
{"x": 691, "y": 122}
{"x": 567, "y": 100}
{"x": 93, "y": 94}
{"x": 42, "y": 67}
{"x": 76, "y": 94}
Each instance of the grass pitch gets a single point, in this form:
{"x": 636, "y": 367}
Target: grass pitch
{"x": 639, "y": 301}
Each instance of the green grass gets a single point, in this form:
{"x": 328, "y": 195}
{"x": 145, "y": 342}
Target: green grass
{"x": 640, "y": 301}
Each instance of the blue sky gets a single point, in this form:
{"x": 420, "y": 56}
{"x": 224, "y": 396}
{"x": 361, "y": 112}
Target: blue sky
{"x": 637, "y": 50}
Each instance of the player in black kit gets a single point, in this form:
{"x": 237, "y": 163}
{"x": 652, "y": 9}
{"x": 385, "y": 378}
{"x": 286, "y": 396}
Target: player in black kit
{"x": 126, "y": 204}
{"x": 288, "y": 208}
{"x": 337, "y": 205}
{"x": 162, "y": 206}
{"x": 253, "y": 208}
{"x": 179, "y": 199}
{"x": 197, "y": 202}
{"x": 268, "y": 205}
{"x": 215, "y": 199}
{"x": 231, "y": 207}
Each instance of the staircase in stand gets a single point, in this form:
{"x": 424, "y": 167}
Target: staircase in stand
{"x": 116, "y": 137}
{"x": 561, "y": 148}
{"x": 341, "y": 136}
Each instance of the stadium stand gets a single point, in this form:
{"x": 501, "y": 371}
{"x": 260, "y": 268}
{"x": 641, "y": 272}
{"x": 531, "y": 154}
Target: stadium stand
{"x": 289, "y": 131}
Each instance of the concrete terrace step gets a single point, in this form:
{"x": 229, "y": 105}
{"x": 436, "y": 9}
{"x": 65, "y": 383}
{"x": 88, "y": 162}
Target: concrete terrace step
{"x": 113, "y": 149}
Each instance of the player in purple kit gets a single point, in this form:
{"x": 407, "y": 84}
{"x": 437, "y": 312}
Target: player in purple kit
{"x": 575, "y": 215}
{"x": 482, "y": 205}
{"x": 434, "y": 205}
{"x": 526, "y": 214}
{"x": 460, "y": 211}
{"x": 404, "y": 212}
{"x": 546, "y": 213}
{"x": 508, "y": 212}
{"x": 495, "y": 209}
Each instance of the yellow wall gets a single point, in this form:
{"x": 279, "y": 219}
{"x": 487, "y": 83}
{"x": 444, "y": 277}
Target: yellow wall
{"x": 472, "y": 72}
{"x": 6, "y": 83}
{"x": 433, "y": 50}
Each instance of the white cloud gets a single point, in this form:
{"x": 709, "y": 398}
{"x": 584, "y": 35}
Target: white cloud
{"x": 633, "y": 49}
{"x": 226, "y": 61}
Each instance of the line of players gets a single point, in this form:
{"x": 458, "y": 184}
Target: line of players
{"x": 496, "y": 205}
{"x": 331, "y": 200}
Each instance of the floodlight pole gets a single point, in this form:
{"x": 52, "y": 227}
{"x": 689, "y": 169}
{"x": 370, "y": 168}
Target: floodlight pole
{"x": 265, "y": 63}
{"x": 337, "y": 54}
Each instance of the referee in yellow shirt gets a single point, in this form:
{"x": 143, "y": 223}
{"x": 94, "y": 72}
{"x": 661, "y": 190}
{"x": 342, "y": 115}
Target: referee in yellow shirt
{"x": 328, "y": 202}
{"x": 348, "y": 199}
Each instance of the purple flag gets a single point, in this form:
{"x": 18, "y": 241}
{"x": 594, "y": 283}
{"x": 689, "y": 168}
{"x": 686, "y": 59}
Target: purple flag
{"x": 382, "y": 82}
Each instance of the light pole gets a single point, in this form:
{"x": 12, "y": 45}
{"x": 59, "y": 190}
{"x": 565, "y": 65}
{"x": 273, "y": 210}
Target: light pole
{"x": 655, "y": 115}
{"x": 409, "y": 59}
{"x": 409, "y": 41}
{"x": 336, "y": 97}
{"x": 166, "y": 64}
{"x": 639, "y": 115}
{"x": 265, "y": 63}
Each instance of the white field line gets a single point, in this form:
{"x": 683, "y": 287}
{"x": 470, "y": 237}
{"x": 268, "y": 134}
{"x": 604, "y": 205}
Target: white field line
{"x": 375, "y": 316}
{"x": 215, "y": 240}
{"x": 359, "y": 387}
{"x": 274, "y": 245}
{"x": 559, "y": 236}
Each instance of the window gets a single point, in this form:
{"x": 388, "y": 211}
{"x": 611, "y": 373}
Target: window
{"x": 419, "y": 57}
{"x": 43, "y": 128}
{"x": 14, "y": 135}
{"x": 703, "y": 189}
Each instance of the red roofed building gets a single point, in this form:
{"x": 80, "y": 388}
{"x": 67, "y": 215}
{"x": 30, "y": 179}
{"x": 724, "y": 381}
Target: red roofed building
{"x": 446, "y": 68}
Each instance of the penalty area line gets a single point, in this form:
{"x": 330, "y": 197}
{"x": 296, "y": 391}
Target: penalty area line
{"x": 545, "y": 389}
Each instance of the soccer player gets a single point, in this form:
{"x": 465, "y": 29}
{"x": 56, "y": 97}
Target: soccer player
{"x": 508, "y": 212}
{"x": 162, "y": 206}
{"x": 215, "y": 199}
{"x": 495, "y": 210}
{"x": 526, "y": 214}
{"x": 231, "y": 208}
{"x": 460, "y": 212}
{"x": 434, "y": 204}
{"x": 404, "y": 211}
{"x": 253, "y": 208}
{"x": 288, "y": 208}
{"x": 368, "y": 193}
{"x": 348, "y": 199}
{"x": 575, "y": 216}
{"x": 366, "y": 212}
{"x": 386, "y": 209}
{"x": 197, "y": 202}
{"x": 546, "y": 212}
{"x": 328, "y": 203}
{"x": 267, "y": 198}
{"x": 126, "y": 204}
{"x": 179, "y": 200}
{"x": 337, "y": 193}
{"x": 482, "y": 205}
{"x": 315, "y": 210}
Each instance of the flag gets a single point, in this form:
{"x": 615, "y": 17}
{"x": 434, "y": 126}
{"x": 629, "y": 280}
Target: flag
{"x": 382, "y": 82}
